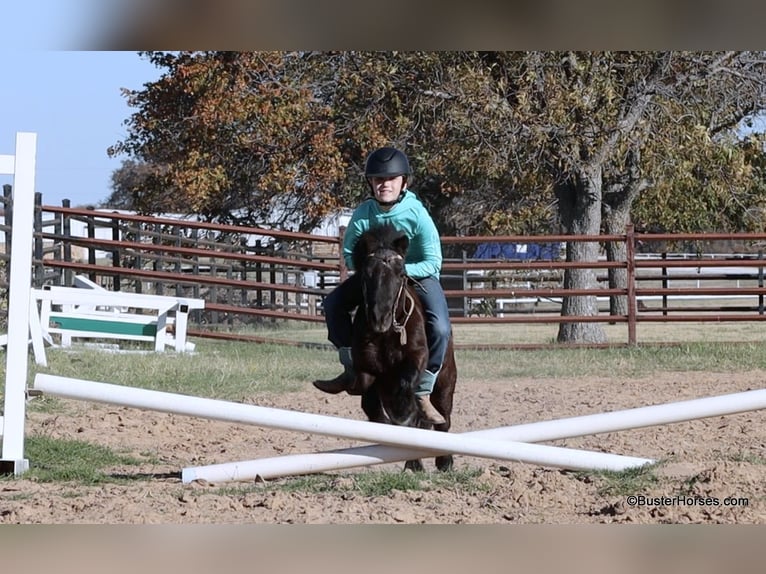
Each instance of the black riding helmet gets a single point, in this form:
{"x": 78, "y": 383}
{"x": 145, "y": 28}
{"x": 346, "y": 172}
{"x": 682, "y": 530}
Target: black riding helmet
{"x": 387, "y": 162}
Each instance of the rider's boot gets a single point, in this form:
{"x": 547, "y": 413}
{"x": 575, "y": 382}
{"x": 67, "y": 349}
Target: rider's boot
{"x": 344, "y": 381}
{"x": 423, "y": 396}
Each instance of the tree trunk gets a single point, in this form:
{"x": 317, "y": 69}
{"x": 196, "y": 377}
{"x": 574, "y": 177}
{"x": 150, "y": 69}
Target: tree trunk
{"x": 579, "y": 201}
{"x": 616, "y": 219}
{"x": 616, "y": 204}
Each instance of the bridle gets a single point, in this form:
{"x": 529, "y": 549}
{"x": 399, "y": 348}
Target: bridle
{"x": 409, "y": 307}
{"x": 409, "y": 301}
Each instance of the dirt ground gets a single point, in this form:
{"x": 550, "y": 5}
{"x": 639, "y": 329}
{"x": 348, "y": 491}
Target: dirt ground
{"x": 704, "y": 461}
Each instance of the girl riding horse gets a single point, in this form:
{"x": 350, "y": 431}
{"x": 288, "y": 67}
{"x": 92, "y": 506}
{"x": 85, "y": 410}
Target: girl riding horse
{"x": 387, "y": 171}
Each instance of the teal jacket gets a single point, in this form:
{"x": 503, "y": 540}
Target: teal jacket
{"x": 424, "y": 255}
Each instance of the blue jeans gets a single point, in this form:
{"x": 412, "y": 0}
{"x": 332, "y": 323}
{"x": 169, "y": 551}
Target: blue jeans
{"x": 347, "y": 296}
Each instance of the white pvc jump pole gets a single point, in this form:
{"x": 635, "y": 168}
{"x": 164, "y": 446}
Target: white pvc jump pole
{"x": 22, "y": 167}
{"x": 332, "y": 426}
{"x": 286, "y": 465}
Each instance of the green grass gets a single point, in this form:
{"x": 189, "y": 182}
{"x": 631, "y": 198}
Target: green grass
{"x": 54, "y": 460}
{"x": 629, "y": 362}
{"x": 373, "y": 483}
{"x": 748, "y": 457}
{"x": 229, "y": 371}
{"x": 239, "y": 370}
{"x": 622, "y": 483}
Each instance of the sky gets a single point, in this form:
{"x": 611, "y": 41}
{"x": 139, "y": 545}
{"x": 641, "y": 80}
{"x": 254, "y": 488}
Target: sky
{"x": 72, "y": 101}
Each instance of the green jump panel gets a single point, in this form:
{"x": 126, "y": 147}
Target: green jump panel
{"x": 105, "y": 326}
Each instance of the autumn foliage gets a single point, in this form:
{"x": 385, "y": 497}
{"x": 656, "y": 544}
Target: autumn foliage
{"x": 513, "y": 142}
{"x": 281, "y": 137}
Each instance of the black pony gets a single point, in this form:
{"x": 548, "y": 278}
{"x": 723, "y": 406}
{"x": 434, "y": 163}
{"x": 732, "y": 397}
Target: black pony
{"x": 390, "y": 351}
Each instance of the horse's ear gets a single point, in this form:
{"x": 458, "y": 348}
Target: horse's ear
{"x": 401, "y": 244}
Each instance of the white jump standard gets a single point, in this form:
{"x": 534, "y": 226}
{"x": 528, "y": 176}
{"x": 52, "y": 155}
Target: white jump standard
{"x": 22, "y": 166}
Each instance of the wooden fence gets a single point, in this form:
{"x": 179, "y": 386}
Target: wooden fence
{"x": 255, "y": 276}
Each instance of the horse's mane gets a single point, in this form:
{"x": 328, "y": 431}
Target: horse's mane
{"x": 380, "y": 236}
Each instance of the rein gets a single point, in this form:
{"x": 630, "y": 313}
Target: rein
{"x": 399, "y": 327}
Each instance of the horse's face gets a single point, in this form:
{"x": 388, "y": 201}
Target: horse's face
{"x": 382, "y": 284}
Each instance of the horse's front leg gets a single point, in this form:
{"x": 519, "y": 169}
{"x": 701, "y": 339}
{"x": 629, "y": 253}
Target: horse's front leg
{"x": 372, "y": 406}
{"x": 404, "y": 409}
{"x": 408, "y": 381}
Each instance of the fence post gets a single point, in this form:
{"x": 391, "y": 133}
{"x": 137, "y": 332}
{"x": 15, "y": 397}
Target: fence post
{"x": 159, "y": 260}
{"x": 665, "y": 284}
{"x": 464, "y": 276}
{"x": 8, "y": 201}
{"x": 230, "y": 275}
{"x": 117, "y": 281}
{"x": 272, "y": 281}
{"x": 6, "y": 256}
{"x": 66, "y": 231}
{"x": 243, "y": 269}
{"x": 178, "y": 268}
{"x": 91, "y": 249}
{"x": 213, "y": 293}
{"x": 37, "y": 261}
{"x": 285, "y": 278}
{"x": 258, "y": 275}
{"x": 630, "y": 252}
{"x": 138, "y": 261}
{"x": 58, "y": 225}
{"x": 760, "y": 283}
{"x": 195, "y": 265}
